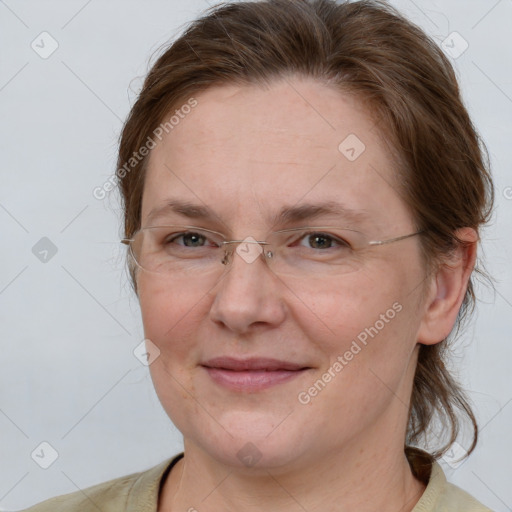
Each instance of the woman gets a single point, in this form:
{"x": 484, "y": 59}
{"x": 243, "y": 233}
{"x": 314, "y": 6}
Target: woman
{"x": 303, "y": 191}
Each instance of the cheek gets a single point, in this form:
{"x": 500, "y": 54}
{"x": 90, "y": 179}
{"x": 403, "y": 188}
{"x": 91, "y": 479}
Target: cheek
{"x": 353, "y": 304}
{"x": 169, "y": 315}
{"x": 367, "y": 352}
{"x": 370, "y": 322}
{"x": 169, "y": 319}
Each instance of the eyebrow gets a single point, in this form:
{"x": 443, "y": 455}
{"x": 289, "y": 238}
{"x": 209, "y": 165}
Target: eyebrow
{"x": 287, "y": 214}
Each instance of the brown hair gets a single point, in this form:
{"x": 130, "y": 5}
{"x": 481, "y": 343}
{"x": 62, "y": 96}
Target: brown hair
{"x": 365, "y": 48}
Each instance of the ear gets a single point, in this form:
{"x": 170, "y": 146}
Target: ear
{"x": 447, "y": 289}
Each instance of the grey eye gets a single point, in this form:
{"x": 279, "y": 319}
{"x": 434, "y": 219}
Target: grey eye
{"x": 192, "y": 239}
{"x": 188, "y": 239}
{"x": 319, "y": 240}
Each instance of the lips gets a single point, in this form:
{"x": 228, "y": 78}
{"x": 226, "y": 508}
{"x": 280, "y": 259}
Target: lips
{"x": 250, "y": 375}
{"x": 254, "y": 363}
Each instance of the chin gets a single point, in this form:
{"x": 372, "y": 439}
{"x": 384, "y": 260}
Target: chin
{"x": 253, "y": 441}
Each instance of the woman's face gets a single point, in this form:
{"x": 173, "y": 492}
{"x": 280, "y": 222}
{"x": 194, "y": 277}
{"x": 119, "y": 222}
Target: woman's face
{"x": 246, "y": 153}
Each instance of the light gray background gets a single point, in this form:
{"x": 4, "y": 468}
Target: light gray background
{"x": 68, "y": 375}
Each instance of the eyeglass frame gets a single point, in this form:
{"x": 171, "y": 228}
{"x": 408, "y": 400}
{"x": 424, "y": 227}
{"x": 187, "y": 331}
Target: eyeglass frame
{"x": 268, "y": 254}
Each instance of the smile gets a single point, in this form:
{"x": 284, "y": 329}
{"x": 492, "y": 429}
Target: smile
{"x": 253, "y": 374}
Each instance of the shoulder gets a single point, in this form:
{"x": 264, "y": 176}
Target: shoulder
{"x": 441, "y": 495}
{"x": 137, "y": 491}
{"x": 455, "y": 498}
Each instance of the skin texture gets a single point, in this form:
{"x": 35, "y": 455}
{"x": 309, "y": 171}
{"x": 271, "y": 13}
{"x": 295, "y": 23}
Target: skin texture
{"x": 245, "y": 152}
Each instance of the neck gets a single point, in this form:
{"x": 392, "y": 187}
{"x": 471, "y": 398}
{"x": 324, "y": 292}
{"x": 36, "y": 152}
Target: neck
{"x": 338, "y": 481}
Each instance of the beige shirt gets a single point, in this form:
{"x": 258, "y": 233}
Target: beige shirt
{"x": 139, "y": 492}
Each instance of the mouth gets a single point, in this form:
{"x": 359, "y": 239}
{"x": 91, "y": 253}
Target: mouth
{"x": 252, "y": 374}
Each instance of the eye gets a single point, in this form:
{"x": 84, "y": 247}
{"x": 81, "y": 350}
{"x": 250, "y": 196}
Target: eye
{"x": 319, "y": 240}
{"x": 188, "y": 239}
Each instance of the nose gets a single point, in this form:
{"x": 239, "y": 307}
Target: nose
{"x": 249, "y": 294}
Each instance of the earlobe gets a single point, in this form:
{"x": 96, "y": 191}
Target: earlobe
{"x": 448, "y": 288}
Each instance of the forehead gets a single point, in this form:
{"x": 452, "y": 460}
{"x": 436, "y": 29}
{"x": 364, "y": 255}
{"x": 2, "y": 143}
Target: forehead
{"x": 244, "y": 150}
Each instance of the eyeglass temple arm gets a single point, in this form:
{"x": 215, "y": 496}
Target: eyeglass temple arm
{"x": 383, "y": 242}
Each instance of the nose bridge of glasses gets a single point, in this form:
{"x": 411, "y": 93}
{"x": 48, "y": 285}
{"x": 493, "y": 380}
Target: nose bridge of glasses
{"x": 249, "y": 249}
